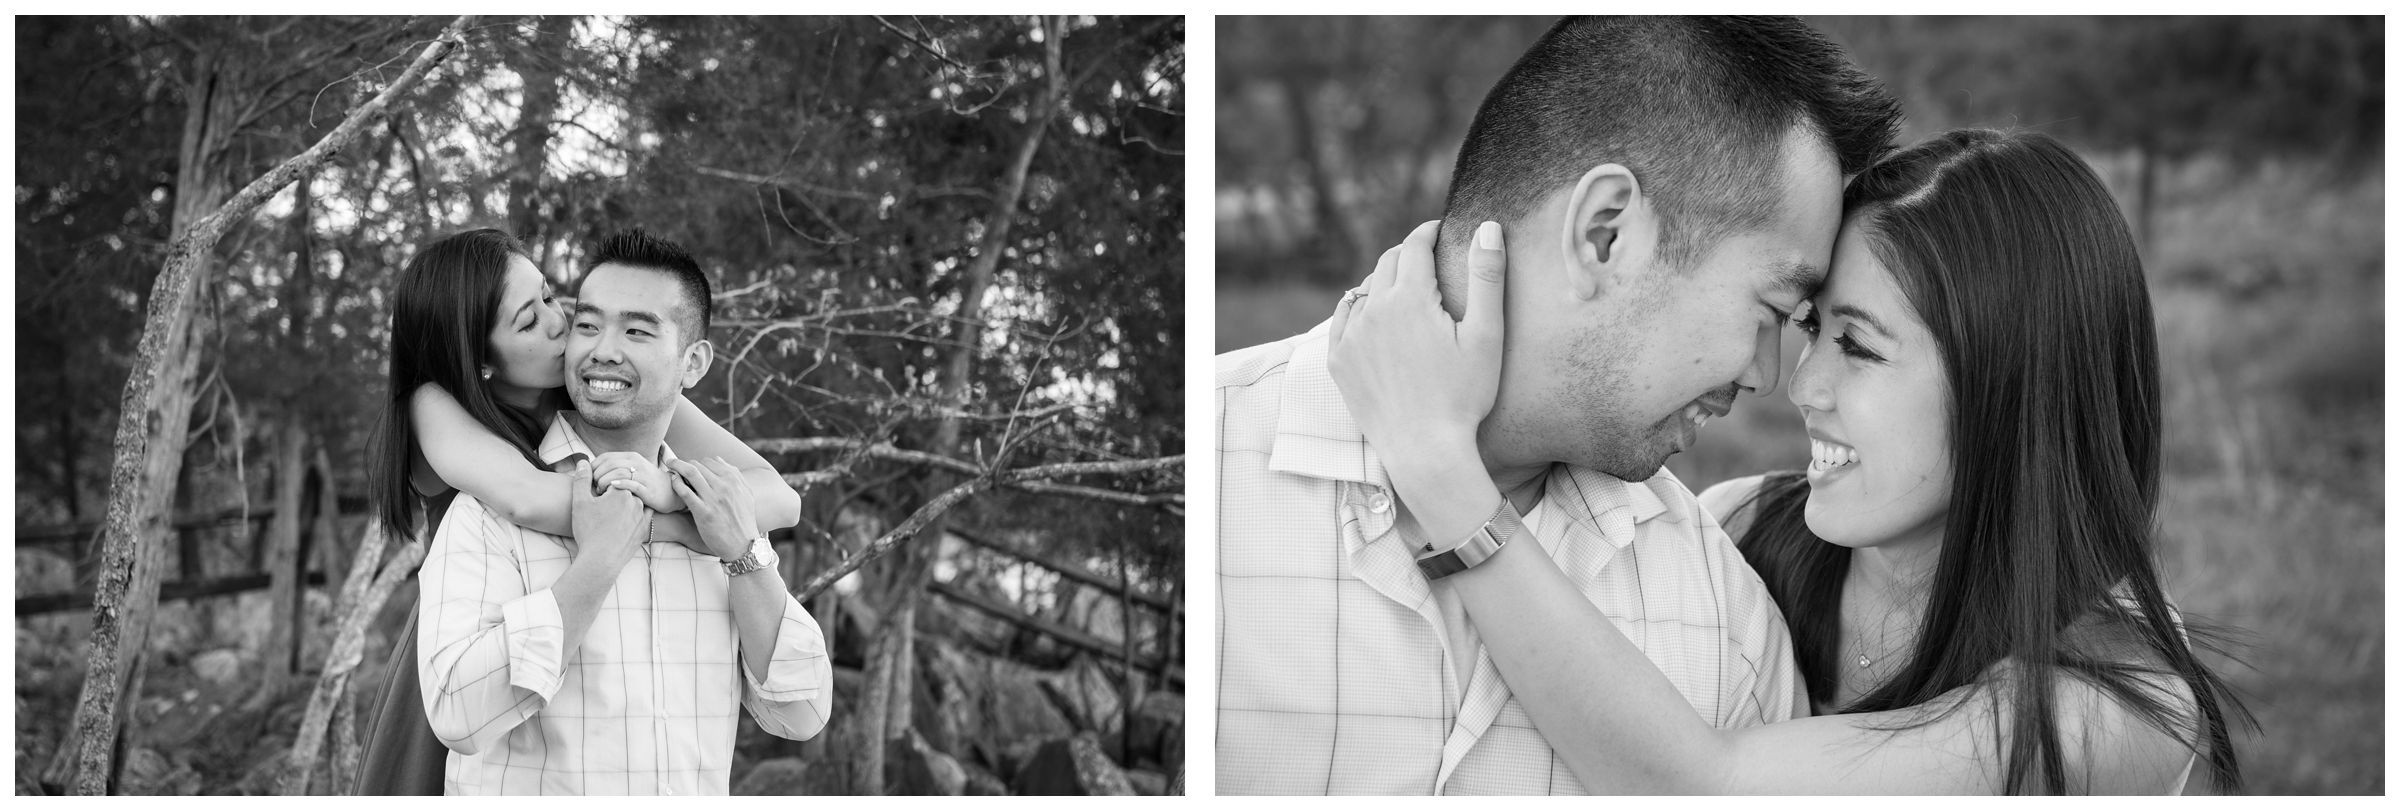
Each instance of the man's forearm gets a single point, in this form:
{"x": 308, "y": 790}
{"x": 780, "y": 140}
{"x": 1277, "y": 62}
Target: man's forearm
{"x": 757, "y": 600}
{"x": 585, "y": 585}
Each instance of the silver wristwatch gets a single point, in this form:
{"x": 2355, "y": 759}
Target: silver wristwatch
{"x": 1477, "y": 548}
{"x": 760, "y": 556}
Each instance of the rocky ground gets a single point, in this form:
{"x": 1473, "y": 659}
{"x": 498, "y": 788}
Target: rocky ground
{"x": 983, "y": 724}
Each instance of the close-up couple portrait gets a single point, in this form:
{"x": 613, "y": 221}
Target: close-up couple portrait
{"x": 1799, "y": 406}
{"x": 599, "y": 405}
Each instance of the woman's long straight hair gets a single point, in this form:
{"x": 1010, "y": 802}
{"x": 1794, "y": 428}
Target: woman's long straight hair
{"x": 2020, "y": 264}
{"x": 442, "y": 314}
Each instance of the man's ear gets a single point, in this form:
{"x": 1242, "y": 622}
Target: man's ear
{"x": 695, "y": 361}
{"x": 1606, "y": 231}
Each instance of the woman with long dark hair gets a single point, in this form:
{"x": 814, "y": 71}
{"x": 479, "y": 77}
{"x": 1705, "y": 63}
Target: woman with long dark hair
{"x": 1966, "y": 565}
{"x": 477, "y": 369}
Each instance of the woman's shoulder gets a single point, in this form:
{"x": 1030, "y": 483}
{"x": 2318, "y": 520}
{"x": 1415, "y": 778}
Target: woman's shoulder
{"x": 1734, "y": 502}
{"x": 430, "y": 394}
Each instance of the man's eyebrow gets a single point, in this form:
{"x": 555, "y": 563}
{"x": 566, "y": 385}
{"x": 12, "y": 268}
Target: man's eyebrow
{"x": 585, "y": 308}
{"x": 1849, "y": 313}
{"x": 1797, "y": 277}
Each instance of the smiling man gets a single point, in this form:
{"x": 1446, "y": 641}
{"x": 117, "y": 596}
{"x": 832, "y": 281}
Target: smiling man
{"x": 1669, "y": 190}
{"x": 601, "y": 663}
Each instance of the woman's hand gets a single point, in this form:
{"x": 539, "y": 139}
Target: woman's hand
{"x": 1418, "y": 383}
{"x": 721, "y": 503}
{"x": 636, "y": 474}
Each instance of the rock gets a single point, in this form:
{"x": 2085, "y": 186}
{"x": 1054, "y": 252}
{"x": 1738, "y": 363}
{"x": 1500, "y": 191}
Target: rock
{"x": 1146, "y": 783}
{"x": 264, "y": 777}
{"x": 148, "y": 773}
{"x": 774, "y": 777}
{"x": 1157, "y": 733}
{"x": 912, "y": 768}
{"x": 981, "y": 783}
{"x": 1088, "y": 696}
{"x": 220, "y": 666}
{"x": 981, "y": 704}
{"x": 1010, "y": 758}
{"x": 1071, "y": 766}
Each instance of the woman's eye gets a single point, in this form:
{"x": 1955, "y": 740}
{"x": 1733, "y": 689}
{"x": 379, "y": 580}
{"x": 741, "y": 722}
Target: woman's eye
{"x": 1853, "y": 349}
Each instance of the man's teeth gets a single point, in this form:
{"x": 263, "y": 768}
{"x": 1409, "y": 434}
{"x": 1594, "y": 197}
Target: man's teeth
{"x": 1699, "y": 416}
{"x": 609, "y": 385}
{"x": 1831, "y": 455}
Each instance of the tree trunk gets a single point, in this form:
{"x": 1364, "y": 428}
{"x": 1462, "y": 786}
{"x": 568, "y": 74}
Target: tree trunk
{"x": 282, "y": 560}
{"x": 529, "y": 142}
{"x": 365, "y": 590}
{"x": 156, "y": 406}
{"x": 153, "y": 416}
{"x": 326, "y": 524}
{"x": 1347, "y": 237}
{"x": 2145, "y": 206}
{"x": 1132, "y": 690}
{"x": 1170, "y": 642}
{"x": 890, "y": 678}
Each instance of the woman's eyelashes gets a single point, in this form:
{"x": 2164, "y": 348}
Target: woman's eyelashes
{"x": 1809, "y": 325}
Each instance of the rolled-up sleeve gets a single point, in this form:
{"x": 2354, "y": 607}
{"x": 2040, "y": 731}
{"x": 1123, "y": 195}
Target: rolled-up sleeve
{"x": 796, "y": 697}
{"x": 489, "y": 654}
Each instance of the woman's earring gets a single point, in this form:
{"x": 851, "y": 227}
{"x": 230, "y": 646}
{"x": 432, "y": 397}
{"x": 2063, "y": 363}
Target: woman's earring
{"x": 487, "y": 373}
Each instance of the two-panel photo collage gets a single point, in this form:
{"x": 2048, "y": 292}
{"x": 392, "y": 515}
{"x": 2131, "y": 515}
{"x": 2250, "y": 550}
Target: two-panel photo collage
{"x": 1199, "y": 405}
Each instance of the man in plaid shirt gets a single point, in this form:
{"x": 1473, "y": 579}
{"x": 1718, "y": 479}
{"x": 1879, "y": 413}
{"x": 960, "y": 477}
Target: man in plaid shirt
{"x": 1670, "y": 190}
{"x": 601, "y": 664}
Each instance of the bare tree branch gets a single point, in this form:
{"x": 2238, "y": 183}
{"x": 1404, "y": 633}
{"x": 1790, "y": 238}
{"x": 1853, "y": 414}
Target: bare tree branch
{"x": 170, "y": 301}
{"x": 1018, "y": 478}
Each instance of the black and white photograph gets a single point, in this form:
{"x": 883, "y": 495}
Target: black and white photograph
{"x": 1920, "y": 406}
{"x": 608, "y": 405}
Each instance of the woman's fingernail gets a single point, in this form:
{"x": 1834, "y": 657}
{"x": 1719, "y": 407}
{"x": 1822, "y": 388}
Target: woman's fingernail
{"x": 1487, "y": 236}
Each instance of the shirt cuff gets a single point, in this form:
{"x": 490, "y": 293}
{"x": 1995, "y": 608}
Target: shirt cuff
{"x": 799, "y": 668}
{"x": 537, "y": 641}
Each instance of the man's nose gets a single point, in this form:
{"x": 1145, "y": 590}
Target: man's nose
{"x": 606, "y": 349}
{"x": 1766, "y": 362}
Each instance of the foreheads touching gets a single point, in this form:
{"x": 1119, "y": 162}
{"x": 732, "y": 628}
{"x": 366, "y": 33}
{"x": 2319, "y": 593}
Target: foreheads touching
{"x": 1699, "y": 111}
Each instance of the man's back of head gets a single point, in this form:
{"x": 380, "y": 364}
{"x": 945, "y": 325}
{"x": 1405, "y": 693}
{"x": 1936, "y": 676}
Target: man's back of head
{"x": 1697, "y": 107}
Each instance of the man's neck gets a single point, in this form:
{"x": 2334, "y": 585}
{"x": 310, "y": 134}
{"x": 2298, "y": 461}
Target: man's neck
{"x": 1520, "y": 482}
{"x": 641, "y": 438}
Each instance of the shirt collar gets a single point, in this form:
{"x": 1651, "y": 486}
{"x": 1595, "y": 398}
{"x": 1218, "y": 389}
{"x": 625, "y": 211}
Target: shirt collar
{"x": 1315, "y": 435}
{"x": 562, "y": 446}
{"x": 1583, "y": 494}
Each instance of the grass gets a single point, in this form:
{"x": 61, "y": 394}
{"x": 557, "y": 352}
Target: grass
{"x": 2270, "y": 313}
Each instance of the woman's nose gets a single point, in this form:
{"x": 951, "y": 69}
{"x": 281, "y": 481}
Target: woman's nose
{"x": 1807, "y": 389}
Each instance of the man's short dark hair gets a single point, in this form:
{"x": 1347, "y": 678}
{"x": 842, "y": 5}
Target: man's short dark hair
{"x": 637, "y": 248}
{"x": 1696, "y": 107}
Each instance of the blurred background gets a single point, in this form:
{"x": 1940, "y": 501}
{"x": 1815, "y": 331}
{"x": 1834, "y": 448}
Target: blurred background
{"x": 2246, "y": 152}
{"x": 852, "y": 184}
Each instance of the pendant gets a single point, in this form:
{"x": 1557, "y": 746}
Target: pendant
{"x": 1863, "y": 661}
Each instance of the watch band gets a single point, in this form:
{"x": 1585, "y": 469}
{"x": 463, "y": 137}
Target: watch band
{"x": 1486, "y": 541}
{"x": 761, "y": 556}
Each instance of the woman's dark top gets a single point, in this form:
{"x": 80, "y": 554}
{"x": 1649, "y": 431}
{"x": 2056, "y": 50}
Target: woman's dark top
{"x": 402, "y": 755}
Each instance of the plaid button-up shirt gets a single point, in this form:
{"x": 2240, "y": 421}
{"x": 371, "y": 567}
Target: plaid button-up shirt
{"x": 649, "y": 702}
{"x": 1335, "y": 673}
